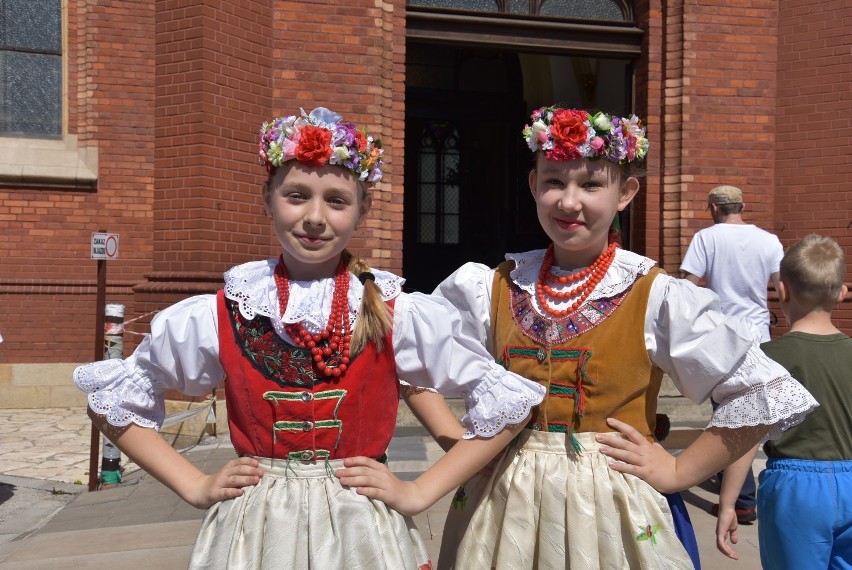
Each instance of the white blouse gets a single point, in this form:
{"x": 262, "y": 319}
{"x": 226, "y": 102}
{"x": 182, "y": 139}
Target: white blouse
{"x": 182, "y": 351}
{"x": 703, "y": 351}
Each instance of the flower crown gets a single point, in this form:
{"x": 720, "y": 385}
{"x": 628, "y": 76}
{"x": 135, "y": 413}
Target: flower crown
{"x": 318, "y": 138}
{"x": 567, "y": 134}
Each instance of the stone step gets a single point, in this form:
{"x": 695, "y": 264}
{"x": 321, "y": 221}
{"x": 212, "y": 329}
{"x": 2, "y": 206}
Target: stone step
{"x": 163, "y": 545}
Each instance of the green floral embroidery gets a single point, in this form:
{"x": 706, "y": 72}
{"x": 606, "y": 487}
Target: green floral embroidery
{"x": 284, "y": 364}
{"x": 649, "y": 532}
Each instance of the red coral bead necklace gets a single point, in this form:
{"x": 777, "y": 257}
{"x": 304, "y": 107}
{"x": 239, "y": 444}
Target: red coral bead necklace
{"x": 593, "y": 275}
{"x": 330, "y": 347}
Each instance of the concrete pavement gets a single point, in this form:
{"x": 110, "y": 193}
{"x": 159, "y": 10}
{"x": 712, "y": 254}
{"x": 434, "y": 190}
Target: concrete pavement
{"x": 48, "y": 521}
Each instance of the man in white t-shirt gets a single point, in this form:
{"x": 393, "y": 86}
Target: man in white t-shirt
{"x": 737, "y": 261}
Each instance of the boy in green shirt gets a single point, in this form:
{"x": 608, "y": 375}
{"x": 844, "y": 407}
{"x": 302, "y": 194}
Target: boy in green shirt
{"x": 804, "y": 499}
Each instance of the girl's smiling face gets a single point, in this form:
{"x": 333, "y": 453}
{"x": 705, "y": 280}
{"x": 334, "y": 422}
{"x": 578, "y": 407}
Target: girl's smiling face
{"x": 576, "y": 201}
{"x": 315, "y": 211}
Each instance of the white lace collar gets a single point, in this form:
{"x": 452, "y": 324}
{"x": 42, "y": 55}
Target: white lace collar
{"x": 625, "y": 269}
{"x": 252, "y": 285}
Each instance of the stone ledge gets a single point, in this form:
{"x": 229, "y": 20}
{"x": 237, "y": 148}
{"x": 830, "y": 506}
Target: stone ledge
{"x": 48, "y": 162}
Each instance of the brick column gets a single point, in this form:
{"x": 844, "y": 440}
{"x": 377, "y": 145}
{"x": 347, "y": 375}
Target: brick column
{"x": 213, "y": 88}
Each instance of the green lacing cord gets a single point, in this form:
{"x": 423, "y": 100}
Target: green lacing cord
{"x": 110, "y": 477}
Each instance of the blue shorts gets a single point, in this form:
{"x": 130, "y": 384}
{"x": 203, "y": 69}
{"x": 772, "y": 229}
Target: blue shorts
{"x": 804, "y": 514}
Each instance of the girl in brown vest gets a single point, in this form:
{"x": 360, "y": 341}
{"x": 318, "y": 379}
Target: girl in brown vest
{"x": 598, "y": 326}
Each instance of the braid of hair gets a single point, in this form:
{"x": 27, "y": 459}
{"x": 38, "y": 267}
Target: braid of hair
{"x": 374, "y": 316}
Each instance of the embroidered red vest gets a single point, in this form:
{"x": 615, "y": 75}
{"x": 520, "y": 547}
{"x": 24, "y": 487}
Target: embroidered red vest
{"x": 279, "y": 407}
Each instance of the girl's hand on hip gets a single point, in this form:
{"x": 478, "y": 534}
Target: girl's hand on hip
{"x": 372, "y": 479}
{"x": 226, "y": 483}
{"x": 636, "y": 456}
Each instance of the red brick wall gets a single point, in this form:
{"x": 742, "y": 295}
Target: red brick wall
{"x": 719, "y": 92}
{"x": 813, "y": 165}
{"x": 646, "y": 229}
{"x": 47, "y": 285}
{"x": 212, "y": 91}
{"x": 350, "y": 57}
{"x": 748, "y": 90}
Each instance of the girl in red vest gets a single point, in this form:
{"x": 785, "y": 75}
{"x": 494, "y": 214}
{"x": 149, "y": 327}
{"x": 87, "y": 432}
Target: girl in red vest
{"x": 311, "y": 345}
{"x": 598, "y": 326}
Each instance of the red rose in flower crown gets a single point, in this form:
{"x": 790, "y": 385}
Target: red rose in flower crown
{"x": 314, "y": 147}
{"x": 568, "y": 129}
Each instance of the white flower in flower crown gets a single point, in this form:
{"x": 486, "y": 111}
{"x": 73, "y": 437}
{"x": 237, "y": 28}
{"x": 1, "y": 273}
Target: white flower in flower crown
{"x": 585, "y": 149}
{"x": 602, "y": 122}
{"x": 537, "y": 134}
{"x": 338, "y": 155}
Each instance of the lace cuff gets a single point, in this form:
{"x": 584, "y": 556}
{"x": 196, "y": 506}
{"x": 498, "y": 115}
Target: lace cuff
{"x": 121, "y": 396}
{"x": 781, "y": 403}
{"x": 497, "y": 402}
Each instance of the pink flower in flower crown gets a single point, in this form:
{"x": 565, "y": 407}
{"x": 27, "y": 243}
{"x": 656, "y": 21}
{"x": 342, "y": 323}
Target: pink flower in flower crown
{"x": 597, "y": 144}
{"x": 314, "y": 147}
{"x": 542, "y": 137}
{"x": 631, "y": 147}
{"x": 288, "y": 149}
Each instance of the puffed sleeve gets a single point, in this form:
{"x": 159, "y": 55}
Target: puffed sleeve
{"x": 709, "y": 354}
{"x": 468, "y": 289}
{"x": 433, "y": 351}
{"x": 180, "y": 353}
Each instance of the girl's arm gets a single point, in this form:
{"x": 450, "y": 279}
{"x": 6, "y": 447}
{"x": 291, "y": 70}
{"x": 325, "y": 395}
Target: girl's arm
{"x": 462, "y": 461}
{"x": 732, "y": 482}
{"x": 181, "y": 353}
{"x": 715, "y": 449}
{"x": 146, "y": 448}
{"x": 436, "y": 347}
{"x": 432, "y": 411}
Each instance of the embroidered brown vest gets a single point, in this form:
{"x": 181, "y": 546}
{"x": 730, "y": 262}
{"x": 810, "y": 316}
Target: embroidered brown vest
{"x": 593, "y": 363}
{"x": 278, "y": 407}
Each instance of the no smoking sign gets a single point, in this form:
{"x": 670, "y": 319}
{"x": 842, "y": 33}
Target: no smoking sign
{"x": 104, "y": 246}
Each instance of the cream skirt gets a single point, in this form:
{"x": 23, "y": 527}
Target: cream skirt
{"x": 541, "y": 505}
{"x": 300, "y": 517}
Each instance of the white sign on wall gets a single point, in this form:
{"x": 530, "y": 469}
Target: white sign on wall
{"x": 104, "y": 246}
